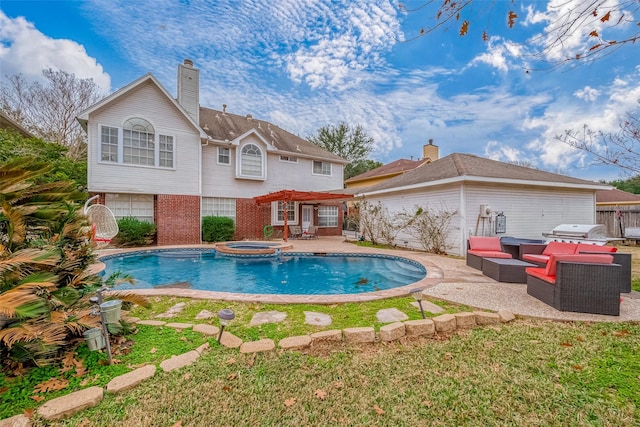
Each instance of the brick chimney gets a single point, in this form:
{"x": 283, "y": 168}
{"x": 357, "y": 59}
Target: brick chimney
{"x": 430, "y": 151}
{"x": 189, "y": 89}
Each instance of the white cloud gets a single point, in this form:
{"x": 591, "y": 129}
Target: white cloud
{"x": 499, "y": 53}
{"x": 25, "y": 50}
{"x": 587, "y": 93}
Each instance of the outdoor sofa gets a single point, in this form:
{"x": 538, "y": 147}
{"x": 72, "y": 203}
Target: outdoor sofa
{"x": 584, "y": 283}
{"x": 539, "y": 254}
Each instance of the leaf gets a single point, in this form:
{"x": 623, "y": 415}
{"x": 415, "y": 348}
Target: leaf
{"x": 566, "y": 344}
{"x": 232, "y": 376}
{"x": 338, "y": 384}
{"x": 594, "y": 33}
{"x": 186, "y": 376}
{"x": 28, "y": 413}
{"x": 485, "y": 36}
{"x": 37, "y": 398}
{"x": 231, "y": 361}
{"x": 378, "y": 410}
{"x": 177, "y": 424}
{"x": 578, "y": 367}
{"x": 606, "y": 17}
{"x": 321, "y": 394}
{"x": 153, "y": 350}
{"x": 251, "y": 360}
{"x": 428, "y": 403}
{"x": 595, "y": 46}
{"x": 51, "y": 385}
{"x": 621, "y": 333}
{"x": 290, "y": 402}
{"x": 512, "y": 18}
{"x": 464, "y": 28}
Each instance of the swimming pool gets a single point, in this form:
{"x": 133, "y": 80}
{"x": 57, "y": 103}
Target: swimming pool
{"x": 291, "y": 273}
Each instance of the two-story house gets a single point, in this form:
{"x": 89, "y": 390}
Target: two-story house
{"x": 170, "y": 161}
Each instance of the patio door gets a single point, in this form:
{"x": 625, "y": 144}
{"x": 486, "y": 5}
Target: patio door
{"x": 307, "y": 217}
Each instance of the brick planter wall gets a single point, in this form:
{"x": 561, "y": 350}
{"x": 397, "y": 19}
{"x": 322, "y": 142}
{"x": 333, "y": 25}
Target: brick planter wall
{"x": 177, "y": 219}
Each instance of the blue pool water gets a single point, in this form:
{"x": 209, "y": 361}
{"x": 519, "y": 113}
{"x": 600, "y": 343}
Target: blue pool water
{"x": 296, "y": 273}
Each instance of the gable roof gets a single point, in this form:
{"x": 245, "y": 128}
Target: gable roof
{"x": 7, "y": 122}
{"x": 458, "y": 167}
{"x": 83, "y": 117}
{"x": 393, "y": 168}
{"x": 221, "y": 126}
{"x": 616, "y": 197}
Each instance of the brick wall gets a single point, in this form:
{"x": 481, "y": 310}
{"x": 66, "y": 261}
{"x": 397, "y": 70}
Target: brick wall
{"x": 251, "y": 219}
{"x": 177, "y": 219}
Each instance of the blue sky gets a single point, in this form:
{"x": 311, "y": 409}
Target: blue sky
{"x": 304, "y": 64}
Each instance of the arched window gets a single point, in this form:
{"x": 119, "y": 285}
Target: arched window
{"x": 251, "y": 161}
{"x": 138, "y": 142}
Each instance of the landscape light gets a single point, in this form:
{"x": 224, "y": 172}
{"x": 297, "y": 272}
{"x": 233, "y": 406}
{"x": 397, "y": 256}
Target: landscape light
{"x": 418, "y": 296}
{"x": 225, "y": 315}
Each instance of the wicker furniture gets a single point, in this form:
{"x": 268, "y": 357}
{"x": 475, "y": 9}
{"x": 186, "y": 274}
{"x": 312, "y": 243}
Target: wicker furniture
{"x": 578, "y": 283}
{"x": 295, "y": 231}
{"x": 506, "y": 269}
{"x": 480, "y": 247}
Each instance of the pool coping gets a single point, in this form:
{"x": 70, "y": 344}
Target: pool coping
{"x": 433, "y": 277}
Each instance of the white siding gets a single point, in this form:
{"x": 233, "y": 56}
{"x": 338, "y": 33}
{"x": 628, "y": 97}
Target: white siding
{"x": 220, "y": 180}
{"x": 529, "y": 211}
{"x": 440, "y": 199}
{"x": 149, "y": 103}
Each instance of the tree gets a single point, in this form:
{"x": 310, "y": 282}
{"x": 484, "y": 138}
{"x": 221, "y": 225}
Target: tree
{"x": 350, "y": 143}
{"x": 577, "y": 27}
{"x": 621, "y": 149}
{"x": 45, "y": 255}
{"x": 13, "y": 146}
{"x": 49, "y": 110}
{"x": 359, "y": 167}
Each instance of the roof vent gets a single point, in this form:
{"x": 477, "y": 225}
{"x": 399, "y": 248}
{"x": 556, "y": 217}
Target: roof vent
{"x": 205, "y": 127}
{"x": 249, "y": 117}
{"x": 188, "y": 63}
{"x": 224, "y": 108}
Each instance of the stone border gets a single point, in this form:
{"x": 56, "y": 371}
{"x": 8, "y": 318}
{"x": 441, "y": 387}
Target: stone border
{"x": 66, "y": 406}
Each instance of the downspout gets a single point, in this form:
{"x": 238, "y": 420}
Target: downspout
{"x": 463, "y": 219}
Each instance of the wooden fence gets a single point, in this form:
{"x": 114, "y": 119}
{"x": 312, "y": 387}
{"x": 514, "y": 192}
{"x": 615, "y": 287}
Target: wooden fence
{"x": 617, "y": 218}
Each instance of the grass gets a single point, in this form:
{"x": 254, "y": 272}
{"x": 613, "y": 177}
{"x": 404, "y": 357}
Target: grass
{"x": 528, "y": 373}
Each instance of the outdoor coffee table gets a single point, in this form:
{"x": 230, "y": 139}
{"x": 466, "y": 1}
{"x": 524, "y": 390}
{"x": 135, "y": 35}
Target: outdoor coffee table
{"x": 506, "y": 269}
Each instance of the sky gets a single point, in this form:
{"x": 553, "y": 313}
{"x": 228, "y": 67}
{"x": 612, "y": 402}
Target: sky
{"x": 305, "y": 64}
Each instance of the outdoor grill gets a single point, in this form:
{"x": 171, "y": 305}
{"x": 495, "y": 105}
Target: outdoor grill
{"x": 579, "y": 233}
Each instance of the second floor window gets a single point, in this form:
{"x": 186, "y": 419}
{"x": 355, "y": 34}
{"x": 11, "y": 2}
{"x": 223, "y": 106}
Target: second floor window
{"x": 224, "y": 155}
{"x": 321, "y": 168}
{"x": 251, "y": 161}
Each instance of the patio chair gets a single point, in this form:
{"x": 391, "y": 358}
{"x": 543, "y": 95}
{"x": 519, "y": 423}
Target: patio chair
{"x": 483, "y": 247}
{"x": 584, "y": 283}
{"x": 295, "y": 231}
{"x": 312, "y": 232}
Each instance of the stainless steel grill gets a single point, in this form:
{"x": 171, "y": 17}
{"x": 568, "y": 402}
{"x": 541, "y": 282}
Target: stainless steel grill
{"x": 579, "y": 233}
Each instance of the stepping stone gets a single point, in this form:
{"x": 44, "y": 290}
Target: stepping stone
{"x": 230, "y": 341}
{"x": 130, "y": 379}
{"x": 205, "y": 314}
{"x": 390, "y": 315}
{"x": 173, "y": 311}
{"x": 177, "y": 362}
{"x": 428, "y": 306}
{"x": 206, "y": 329}
{"x": 257, "y": 346}
{"x": 65, "y": 406}
{"x": 267, "y": 317}
{"x": 317, "y": 319}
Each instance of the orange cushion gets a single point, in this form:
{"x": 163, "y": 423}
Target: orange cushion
{"x": 536, "y": 258}
{"x": 539, "y": 273}
{"x": 490, "y": 254}
{"x": 560, "y": 248}
{"x": 550, "y": 270}
{"x": 481, "y": 243}
{"x": 584, "y": 247}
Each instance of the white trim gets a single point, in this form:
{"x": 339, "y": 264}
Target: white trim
{"x": 480, "y": 179}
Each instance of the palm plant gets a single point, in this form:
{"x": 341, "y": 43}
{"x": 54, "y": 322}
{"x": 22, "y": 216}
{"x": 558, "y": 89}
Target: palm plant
{"x": 45, "y": 255}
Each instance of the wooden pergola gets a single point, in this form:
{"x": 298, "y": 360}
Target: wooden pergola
{"x": 286, "y": 196}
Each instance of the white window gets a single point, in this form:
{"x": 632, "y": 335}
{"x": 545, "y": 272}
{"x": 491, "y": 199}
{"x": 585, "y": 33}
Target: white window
{"x": 136, "y": 205}
{"x": 109, "y": 144}
{"x": 289, "y": 159}
{"x": 277, "y": 209}
{"x": 219, "y": 206}
{"x": 224, "y": 155}
{"x": 327, "y": 216}
{"x": 136, "y": 143}
{"x": 251, "y": 162}
{"x": 166, "y": 151}
{"x": 321, "y": 168}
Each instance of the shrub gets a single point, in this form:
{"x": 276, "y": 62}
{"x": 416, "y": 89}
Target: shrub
{"x": 217, "y": 228}
{"x": 134, "y": 232}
